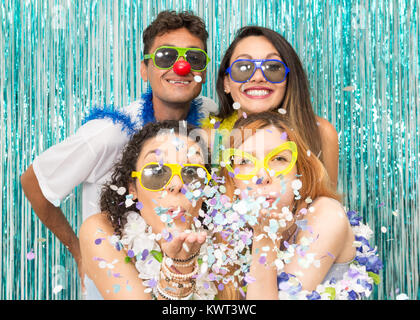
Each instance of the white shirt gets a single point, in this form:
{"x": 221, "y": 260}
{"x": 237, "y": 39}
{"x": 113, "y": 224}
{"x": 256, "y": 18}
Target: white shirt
{"x": 87, "y": 158}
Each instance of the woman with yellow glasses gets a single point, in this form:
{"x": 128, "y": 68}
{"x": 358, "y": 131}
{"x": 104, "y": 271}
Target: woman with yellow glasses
{"x": 149, "y": 238}
{"x": 289, "y": 236}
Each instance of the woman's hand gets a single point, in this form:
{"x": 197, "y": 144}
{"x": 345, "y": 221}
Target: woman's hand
{"x": 183, "y": 245}
{"x": 274, "y": 224}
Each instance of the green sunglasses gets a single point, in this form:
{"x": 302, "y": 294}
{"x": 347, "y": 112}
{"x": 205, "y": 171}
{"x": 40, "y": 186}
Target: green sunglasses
{"x": 165, "y": 57}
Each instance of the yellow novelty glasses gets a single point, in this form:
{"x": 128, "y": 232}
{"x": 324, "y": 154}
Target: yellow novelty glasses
{"x": 244, "y": 166}
{"x": 156, "y": 176}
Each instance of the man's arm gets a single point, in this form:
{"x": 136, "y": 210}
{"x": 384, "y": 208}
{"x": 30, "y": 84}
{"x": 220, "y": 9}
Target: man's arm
{"x": 52, "y": 217}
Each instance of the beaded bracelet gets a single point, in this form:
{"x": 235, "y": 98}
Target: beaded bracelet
{"x": 188, "y": 264}
{"x": 178, "y": 285}
{"x": 187, "y": 259}
{"x": 175, "y": 276}
{"x": 169, "y": 297}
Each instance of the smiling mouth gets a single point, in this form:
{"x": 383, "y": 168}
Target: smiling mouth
{"x": 257, "y": 93}
{"x": 179, "y": 82}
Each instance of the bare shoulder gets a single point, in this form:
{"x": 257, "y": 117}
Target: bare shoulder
{"x": 94, "y": 224}
{"x": 327, "y": 130}
{"x": 328, "y": 213}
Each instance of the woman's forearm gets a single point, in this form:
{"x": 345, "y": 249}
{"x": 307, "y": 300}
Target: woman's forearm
{"x": 263, "y": 272}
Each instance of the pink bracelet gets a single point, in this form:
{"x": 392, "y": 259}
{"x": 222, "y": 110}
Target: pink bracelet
{"x": 178, "y": 285}
{"x": 175, "y": 276}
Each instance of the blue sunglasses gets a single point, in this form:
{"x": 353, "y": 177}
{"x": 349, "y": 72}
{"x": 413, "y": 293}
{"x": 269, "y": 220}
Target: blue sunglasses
{"x": 273, "y": 70}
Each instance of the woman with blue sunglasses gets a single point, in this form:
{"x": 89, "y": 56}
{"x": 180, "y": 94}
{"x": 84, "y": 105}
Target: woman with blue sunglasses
{"x": 262, "y": 72}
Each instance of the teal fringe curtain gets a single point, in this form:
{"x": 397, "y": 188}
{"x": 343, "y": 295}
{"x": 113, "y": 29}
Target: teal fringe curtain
{"x": 58, "y": 59}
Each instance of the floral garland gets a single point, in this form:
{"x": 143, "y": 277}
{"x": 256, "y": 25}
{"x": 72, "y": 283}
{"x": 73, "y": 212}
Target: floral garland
{"x": 140, "y": 244}
{"x": 213, "y": 122}
{"x": 357, "y": 281}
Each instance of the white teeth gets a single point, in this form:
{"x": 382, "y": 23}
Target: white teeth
{"x": 183, "y": 82}
{"x": 257, "y": 92}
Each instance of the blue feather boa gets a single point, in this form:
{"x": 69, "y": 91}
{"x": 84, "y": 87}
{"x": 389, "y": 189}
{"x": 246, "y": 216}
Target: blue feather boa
{"x": 145, "y": 115}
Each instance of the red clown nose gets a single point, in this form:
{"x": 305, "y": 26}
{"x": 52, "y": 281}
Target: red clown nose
{"x": 182, "y": 68}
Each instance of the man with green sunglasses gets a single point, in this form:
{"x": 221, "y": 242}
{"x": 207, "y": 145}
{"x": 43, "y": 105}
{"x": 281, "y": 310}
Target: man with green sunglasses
{"x": 167, "y": 57}
{"x": 176, "y": 44}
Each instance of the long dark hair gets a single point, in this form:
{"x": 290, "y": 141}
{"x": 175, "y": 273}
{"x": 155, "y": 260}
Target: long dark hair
{"x": 111, "y": 202}
{"x": 296, "y": 101}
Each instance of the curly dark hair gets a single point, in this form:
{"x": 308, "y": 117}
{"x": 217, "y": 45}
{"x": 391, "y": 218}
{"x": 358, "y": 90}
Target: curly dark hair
{"x": 112, "y": 203}
{"x": 171, "y": 20}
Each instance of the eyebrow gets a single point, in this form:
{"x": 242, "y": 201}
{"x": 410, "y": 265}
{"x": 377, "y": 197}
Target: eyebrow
{"x": 266, "y": 152}
{"x": 267, "y": 56}
{"x": 172, "y": 45}
{"x": 199, "y": 153}
{"x": 151, "y": 151}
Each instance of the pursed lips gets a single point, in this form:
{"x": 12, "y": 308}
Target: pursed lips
{"x": 176, "y": 212}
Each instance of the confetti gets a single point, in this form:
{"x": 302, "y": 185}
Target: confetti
{"x": 282, "y": 111}
{"x": 99, "y": 241}
{"x": 262, "y": 259}
{"x": 130, "y": 253}
{"x": 30, "y": 255}
{"x": 129, "y": 202}
{"x": 349, "y": 88}
{"x": 139, "y": 205}
{"x": 402, "y": 296}
{"x": 249, "y": 279}
{"x": 296, "y": 184}
{"x": 331, "y": 255}
{"x": 283, "y": 135}
{"x": 116, "y": 288}
{"x": 57, "y": 289}
{"x": 383, "y": 229}
{"x": 236, "y": 105}
{"x": 198, "y": 79}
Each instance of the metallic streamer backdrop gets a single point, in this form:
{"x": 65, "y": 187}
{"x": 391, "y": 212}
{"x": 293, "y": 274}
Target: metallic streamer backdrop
{"x": 60, "y": 58}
